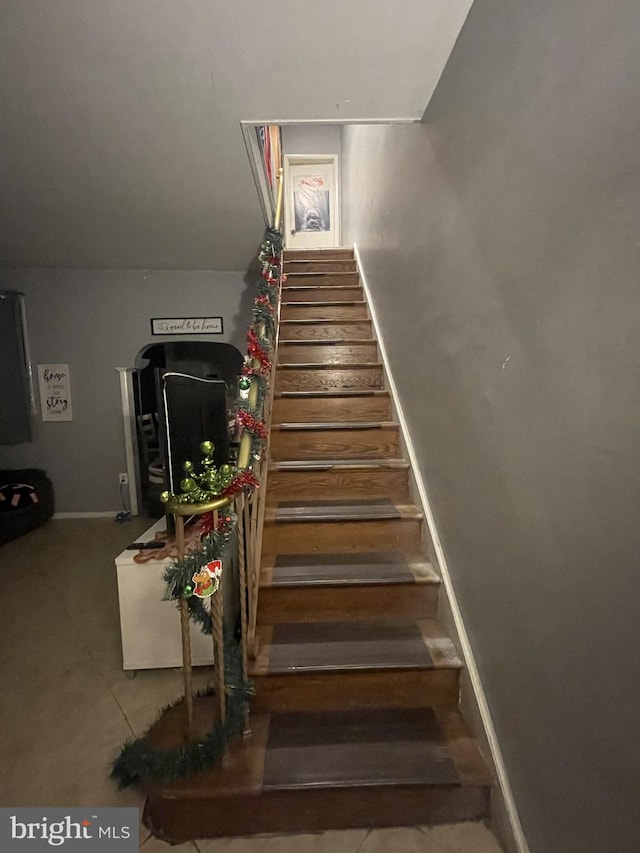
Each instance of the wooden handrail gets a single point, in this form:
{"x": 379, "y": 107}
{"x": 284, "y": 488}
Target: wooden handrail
{"x": 278, "y": 214}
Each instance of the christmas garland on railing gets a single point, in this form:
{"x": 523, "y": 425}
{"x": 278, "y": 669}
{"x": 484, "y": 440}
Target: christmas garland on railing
{"x": 180, "y": 576}
{"x": 271, "y": 248}
{"x": 259, "y": 348}
{"x": 140, "y": 762}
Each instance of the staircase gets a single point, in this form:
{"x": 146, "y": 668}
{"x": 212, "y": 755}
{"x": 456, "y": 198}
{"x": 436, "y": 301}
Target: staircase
{"x": 355, "y": 720}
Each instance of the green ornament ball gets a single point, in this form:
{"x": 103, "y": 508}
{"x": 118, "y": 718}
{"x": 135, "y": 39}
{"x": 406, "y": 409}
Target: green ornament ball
{"x": 165, "y": 497}
{"x": 207, "y": 447}
{"x": 188, "y": 590}
{"x": 226, "y": 470}
{"x": 188, "y": 467}
{"x": 187, "y": 485}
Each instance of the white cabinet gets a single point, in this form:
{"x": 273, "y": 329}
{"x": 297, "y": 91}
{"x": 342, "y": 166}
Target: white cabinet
{"x": 150, "y": 627}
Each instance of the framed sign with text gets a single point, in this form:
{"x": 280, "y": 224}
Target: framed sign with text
{"x": 186, "y": 325}
{"x": 55, "y": 392}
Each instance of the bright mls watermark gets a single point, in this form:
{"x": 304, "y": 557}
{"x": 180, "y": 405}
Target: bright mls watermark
{"x": 104, "y": 830}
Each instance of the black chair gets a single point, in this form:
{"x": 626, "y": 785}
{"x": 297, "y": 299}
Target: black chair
{"x": 192, "y": 410}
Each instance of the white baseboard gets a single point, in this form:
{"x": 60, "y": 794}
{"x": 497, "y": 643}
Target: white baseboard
{"x": 518, "y": 841}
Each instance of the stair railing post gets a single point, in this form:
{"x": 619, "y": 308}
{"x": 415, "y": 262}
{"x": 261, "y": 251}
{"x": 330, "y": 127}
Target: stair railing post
{"x": 187, "y": 673}
{"x": 240, "y": 505}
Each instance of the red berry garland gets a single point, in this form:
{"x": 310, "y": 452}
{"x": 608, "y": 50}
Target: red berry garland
{"x": 256, "y": 351}
{"x": 206, "y": 523}
{"x": 264, "y": 300}
{"x": 240, "y": 482}
{"x": 255, "y": 426}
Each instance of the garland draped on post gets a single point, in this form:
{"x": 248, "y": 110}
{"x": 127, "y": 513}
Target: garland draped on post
{"x": 179, "y": 573}
{"x": 140, "y": 762}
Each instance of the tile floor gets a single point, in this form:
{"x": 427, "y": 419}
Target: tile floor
{"x": 67, "y": 706}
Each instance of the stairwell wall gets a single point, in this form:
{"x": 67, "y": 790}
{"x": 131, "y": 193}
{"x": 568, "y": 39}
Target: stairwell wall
{"x": 499, "y": 242}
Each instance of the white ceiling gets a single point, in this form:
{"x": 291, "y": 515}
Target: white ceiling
{"x": 120, "y": 140}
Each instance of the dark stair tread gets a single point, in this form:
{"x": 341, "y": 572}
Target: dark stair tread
{"x": 357, "y": 748}
{"x": 340, "y": 511}
{"x": 290, "y": 648}
{"x": 360, "y": 569}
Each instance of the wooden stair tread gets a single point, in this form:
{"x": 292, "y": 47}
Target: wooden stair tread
{"x": 329, "y": 464}
{"x": 332, "y": 253}
{"x": 337, "y": 425}
{"x": 360, "y": 569}
{"x": 324, "y": 321}
{"x": 318, "y": 286}
{"x": 329, "y": 365}
{"x": 326, "y": 342}
{"x": 289, "y": 648}
{"x": 338, "y": 392}
{"x": 323, "y": 304}
{"x": 320, "y": 264}
{"x": 339, "y": 511}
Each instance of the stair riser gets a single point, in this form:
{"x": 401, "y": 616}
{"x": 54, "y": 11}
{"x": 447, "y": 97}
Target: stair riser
{"x": 328, "y": 353}
{"x": 359, "y": 330}
{"x": 316, "y": 409}
{"x": 328, "y": 379}
{"x": 402, "y": 535}
{"x": 293, "y": 311}
{"x": 356, "y": 689}
{"x": 321, "y": 279}
{"x": 323, "y": 294}
{"x": 177, "y": 820}
{"x": 316, "y": 604}
{"x": 348, "y": 484}
{"x": 333, "y": 265}
{"x": 334, "y": 444}
{"x": 317, "y": 254}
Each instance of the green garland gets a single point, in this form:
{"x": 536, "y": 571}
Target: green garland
{"x": 140, "y": 762}
{"x": 272, "y": 245}
{"x": 178, "y": 574}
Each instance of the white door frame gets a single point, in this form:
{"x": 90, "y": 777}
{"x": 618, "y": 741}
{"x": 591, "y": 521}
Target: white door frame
{"x": 312, "y": 159}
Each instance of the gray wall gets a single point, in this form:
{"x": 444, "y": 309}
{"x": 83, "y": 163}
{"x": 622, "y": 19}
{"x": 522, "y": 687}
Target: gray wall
{"x": 96, "y": 320}
{"x": 311, "y": 139}
{"x": 500, "y": 240}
